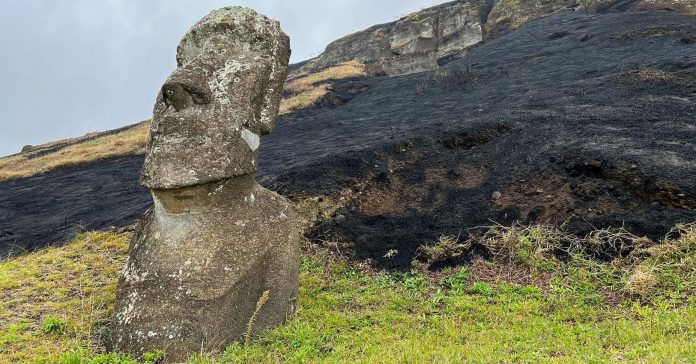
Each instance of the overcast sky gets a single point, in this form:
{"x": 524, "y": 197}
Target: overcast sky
{"x": 73, "y": 66}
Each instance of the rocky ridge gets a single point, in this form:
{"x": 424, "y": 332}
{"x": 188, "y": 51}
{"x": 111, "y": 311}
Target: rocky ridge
{"x": 434, "y": 36}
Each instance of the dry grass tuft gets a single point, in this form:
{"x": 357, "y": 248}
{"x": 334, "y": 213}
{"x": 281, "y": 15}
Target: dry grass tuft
{"x": 445, "y": 248}
{"x": 643, "y": 75}
{"x": 303, "y": 99}
{"x": 641, "y": 282}
{"x": 250, "y": 325}
{"x": 648, "y": 74}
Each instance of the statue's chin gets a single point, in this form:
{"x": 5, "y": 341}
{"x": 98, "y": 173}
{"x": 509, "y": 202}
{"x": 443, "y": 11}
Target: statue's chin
{"x": 202, "y": 197}
{"x": 163, "y": 173}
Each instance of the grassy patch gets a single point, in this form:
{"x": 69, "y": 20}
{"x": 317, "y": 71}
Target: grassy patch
{"x": 57, "y": 300}
{"x": 639, "y": 307}
{"x": 306, "y": 90}
{"x": 128, "y": 142}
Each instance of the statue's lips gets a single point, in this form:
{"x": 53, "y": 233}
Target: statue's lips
{"x": 180, "y": 156}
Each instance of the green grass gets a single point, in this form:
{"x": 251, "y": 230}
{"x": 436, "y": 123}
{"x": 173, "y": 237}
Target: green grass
{"x": 582, "y": 310}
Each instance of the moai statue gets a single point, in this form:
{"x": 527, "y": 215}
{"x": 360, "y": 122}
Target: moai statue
{"x": 215, "y": 244}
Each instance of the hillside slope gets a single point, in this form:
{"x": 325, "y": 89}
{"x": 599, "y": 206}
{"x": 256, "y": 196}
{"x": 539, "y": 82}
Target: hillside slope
{"x": 423, "y": 40}
{"x": 580, "y": 120}
{"x": 435, "y": 36}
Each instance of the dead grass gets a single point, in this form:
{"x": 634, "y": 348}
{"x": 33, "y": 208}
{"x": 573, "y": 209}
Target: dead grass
{"x": 129, "y": 142}
{"x": 303, "y": 99}
{"x": 306, "y": 90}
{"x": 641, "y": 282}
{"x": 645, "y": 75}
{"x": 611, "y": 261}
{"x": 446, "y": 247}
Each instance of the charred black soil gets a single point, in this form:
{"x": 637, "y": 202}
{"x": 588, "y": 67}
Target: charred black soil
{"x": 582, "y": 121}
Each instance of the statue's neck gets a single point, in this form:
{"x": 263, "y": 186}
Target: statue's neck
{"x": 201, "y": 198}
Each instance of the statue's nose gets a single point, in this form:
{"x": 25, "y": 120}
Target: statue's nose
{"x": 182, "y": 93}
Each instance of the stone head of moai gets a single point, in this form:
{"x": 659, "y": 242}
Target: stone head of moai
{"x": 223, "y": 95}
{"x": 217, "y": 255}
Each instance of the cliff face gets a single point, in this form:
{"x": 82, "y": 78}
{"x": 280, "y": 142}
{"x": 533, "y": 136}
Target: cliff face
{"x": 432, "y": 37}
{"x": 413, "y": 43}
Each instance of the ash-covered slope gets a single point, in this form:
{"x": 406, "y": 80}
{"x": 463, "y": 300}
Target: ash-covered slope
{"x": 585, "y": 120}
{"x": 575, "y": 119}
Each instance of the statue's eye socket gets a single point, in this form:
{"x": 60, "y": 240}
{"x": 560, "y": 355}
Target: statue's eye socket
{"x": 198, "y": 98}
{"x": 181, "y": 97}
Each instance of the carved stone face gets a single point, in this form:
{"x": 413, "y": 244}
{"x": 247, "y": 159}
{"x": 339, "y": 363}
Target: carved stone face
{"x": 222, "y": 97}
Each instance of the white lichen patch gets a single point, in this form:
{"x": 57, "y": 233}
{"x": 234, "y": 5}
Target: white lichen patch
{"x": 251, "y": 198}
{"x": 223, "y": 77}
{"x": 251, "y": 139}
{"x": 131, "y": 275}
{"x": 125, "y": 315}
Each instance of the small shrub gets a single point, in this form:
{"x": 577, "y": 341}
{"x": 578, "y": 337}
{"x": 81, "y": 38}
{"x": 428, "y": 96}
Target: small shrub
{"x": 458, "y": 280}
{"x": 481, "y": 288}
{"x": 53, "y": 326}
{"x": 154, "y": 357}
{"x": 413, "y": 280}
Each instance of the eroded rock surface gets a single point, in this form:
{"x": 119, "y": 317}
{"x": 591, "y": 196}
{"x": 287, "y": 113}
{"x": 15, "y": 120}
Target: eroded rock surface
{"x": 216, "y": 245}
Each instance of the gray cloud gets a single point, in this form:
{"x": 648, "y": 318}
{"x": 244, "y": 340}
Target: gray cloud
{"x": 74, "y": 66}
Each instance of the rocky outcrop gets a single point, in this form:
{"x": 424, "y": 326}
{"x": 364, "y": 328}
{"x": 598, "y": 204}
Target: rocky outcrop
{"x": 682, "y": 6}
{"x": 217, "y": 255}
{"x": 433, "y": 37}
{"x": 413, "y": 43}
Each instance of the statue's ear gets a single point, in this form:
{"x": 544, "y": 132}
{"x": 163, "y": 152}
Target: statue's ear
{"x": 274, "y": 91}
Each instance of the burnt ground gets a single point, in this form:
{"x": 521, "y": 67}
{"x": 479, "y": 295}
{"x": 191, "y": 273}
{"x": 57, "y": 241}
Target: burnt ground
{"x": 52, "y": 207}
{"x": 584, "y": 121}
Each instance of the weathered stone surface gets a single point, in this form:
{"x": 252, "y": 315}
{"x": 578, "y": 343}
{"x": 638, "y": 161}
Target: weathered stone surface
{"x": 215, "y": 242}
{"x": 198, "y": 264}
{"x": 223, "y": 95}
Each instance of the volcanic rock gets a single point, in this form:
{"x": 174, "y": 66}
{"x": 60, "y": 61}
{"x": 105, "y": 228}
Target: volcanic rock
{"x": 217, "y": 255}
